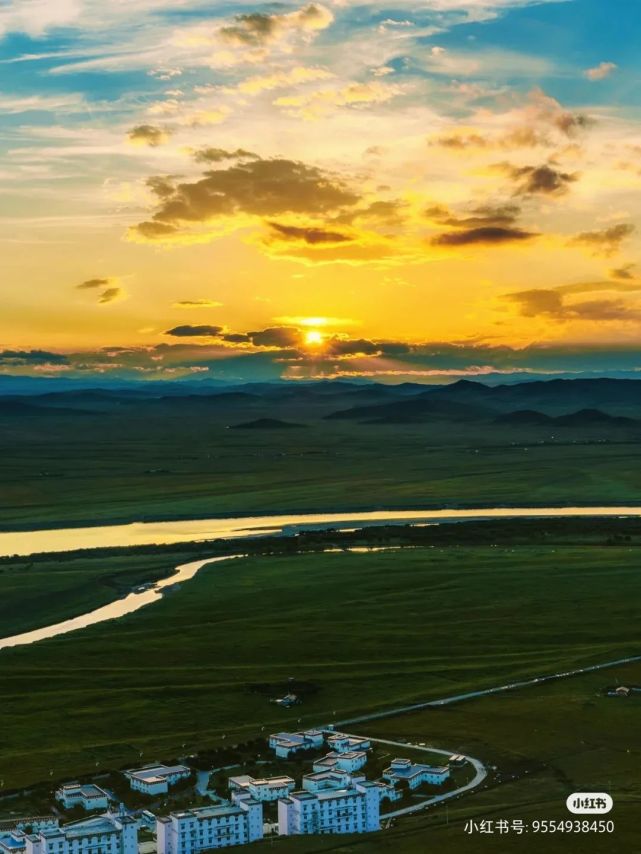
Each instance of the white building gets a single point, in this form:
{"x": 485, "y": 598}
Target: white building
{"x": 102, "y": 834}
{"x": 352, "y": 810}
{"x": 287, "y": 744}
{"x": 415, "y": 775}
{"x": 265, "y": 789}
{"x": 206, "y": 828}
{"x": 322, "y": 781}
{"x": 89, "y": 796}
{"x": 156, "y": 779}
{"x": 341, "y": 743}
{"x": 352, "y": 761}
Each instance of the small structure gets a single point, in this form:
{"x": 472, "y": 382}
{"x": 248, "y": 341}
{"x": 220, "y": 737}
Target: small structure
{"x": 286, "y": 744}
{"x": 288, "y": 701}
{"x": 263, "y": 790}
{"x": 110, "y": 833}
{"x": 621, "y": 691}
{"x": 207, "y": 828}
{"x": 341, "y": 743}
{"x": 156, "y": 779}
{"x": 355, "y": 809}
{"x": 86, "y": 795}
{"x": 457, "y": 760}
{"x": 352, "y": 761}
{"x": 414, "y": 774}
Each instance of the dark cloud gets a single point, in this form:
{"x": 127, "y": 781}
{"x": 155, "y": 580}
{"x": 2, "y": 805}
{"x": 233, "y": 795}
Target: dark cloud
{"x": 276, "y": 336}
{"x": 93, "y": 283}
{"x": 308, "y": 234}
{"x": 148, "y": 135}
{"x": 260, "y": 187}
{"x": 624, "y": 272}
{"x": 236, "y": 338}
{"x": 486, "y": 235}
{"x": 482, "y": 216}
{"x": 607, "y": 241}
{"x": 110, "y": 294}
{"x": 552, "y": 303}
{"x": 187, "y": 331}
{"x": 217, "y": 155}
{"x": 23, "y": 358}
{"x": 539, "y": 180}
{"x": 257, "y": 29}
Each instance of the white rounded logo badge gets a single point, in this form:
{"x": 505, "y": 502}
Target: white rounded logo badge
{"x": 589, "y": 803}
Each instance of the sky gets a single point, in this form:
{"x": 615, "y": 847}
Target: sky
{"x": 377, "y": 190}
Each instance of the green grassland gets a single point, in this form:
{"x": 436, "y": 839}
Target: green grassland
{"x": 369, "y": 630}
{"x": 121, "y": 467}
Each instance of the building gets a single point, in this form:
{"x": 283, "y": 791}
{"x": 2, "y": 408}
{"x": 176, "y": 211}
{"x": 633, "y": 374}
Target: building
{"x": 457, "y": 760}
{"x": 341, "y": 743}
{"x": 352, "y": 761}
{"x": 87, "y": 795}
{"x": 286, "y": 744}
{"x": 206, "y": 828}
{"x": 110, "y": 833}
{"x": 415, "y": 775}
{"x": 265, "y": 789}
{"x": 156, "y": 779}
{"x": 355, "y": 809}
{"x": 321, "y": 781}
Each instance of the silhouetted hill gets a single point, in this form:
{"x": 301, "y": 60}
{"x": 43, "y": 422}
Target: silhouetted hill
{"x": 594, "y": 418}
{"x": 405, "y": 411}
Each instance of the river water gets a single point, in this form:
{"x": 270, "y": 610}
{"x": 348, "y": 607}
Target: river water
{"x": 146, "y": 533}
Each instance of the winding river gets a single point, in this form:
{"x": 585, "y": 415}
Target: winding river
{"x": 23, "y": 543}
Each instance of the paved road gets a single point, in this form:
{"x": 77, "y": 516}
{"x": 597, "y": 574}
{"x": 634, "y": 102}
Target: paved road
{"x": 470, "y": 695}
{"x": 479, "y": 776}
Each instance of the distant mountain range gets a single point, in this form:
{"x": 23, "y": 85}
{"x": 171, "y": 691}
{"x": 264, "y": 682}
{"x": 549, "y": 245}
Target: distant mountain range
{"x": 580, "y": 403}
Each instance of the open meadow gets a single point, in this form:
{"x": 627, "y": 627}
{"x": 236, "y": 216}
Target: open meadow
{"x": 366, "y": 631}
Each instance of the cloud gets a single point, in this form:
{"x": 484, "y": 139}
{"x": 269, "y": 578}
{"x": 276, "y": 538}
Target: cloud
{"x": 197, "y": 303}
{"x": 188, "y": 331}
{"x": 600, "y": 71}
{"x": 486, "y": 235}
{"x": 23, "y": 358}
{"x": 89, "y": 284}
{"x": 313, "y": 105}
{"x": 276, "y": 336}
{"x": 111, "y": 295}
{"x": 605, "y": 242}
{"x": 553, "y": 302}
{"x": 218, "y": 155}
{"x": 481, "y": 216}
{"x": 310, "y": 235}
{"x": 148, "y": 135}
{"x": 625, "y": 272}
{"x": 280, "y": 79}
{"x": 257, "y": 188}
{"x": 256, "y": 29}
{"x": 539, "y": 180}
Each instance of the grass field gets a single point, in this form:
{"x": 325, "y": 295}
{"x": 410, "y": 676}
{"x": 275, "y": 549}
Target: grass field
{"x": 60, "y": 471}
{"x": 370, "y": 630}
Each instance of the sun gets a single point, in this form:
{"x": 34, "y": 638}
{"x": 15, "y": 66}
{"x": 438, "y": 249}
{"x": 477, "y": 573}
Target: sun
{"x": 313, "y": 338}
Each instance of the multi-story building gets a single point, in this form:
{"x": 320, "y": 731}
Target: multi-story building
{"x": 156, "y": 779}
{"x": 265, "y": 789}
{"x": 341, "y": 743}
{"x": 102, "y": 834}
{"x": 352, "y": 810}
{"x": 206, "y": 828}
{"x": 286, "y": 744}
{"x": 351, "y": 761}
{"x": 321, "y": 781}
{"x": 87, "y": 795}
{"x": 414, "y": 774}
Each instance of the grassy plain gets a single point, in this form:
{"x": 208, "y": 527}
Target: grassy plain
{"x": 74, "y": 470}
{"x": 370, "y": 630}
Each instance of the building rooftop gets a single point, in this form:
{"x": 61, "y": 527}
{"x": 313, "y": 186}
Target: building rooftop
{"x": 156, "y": 773}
